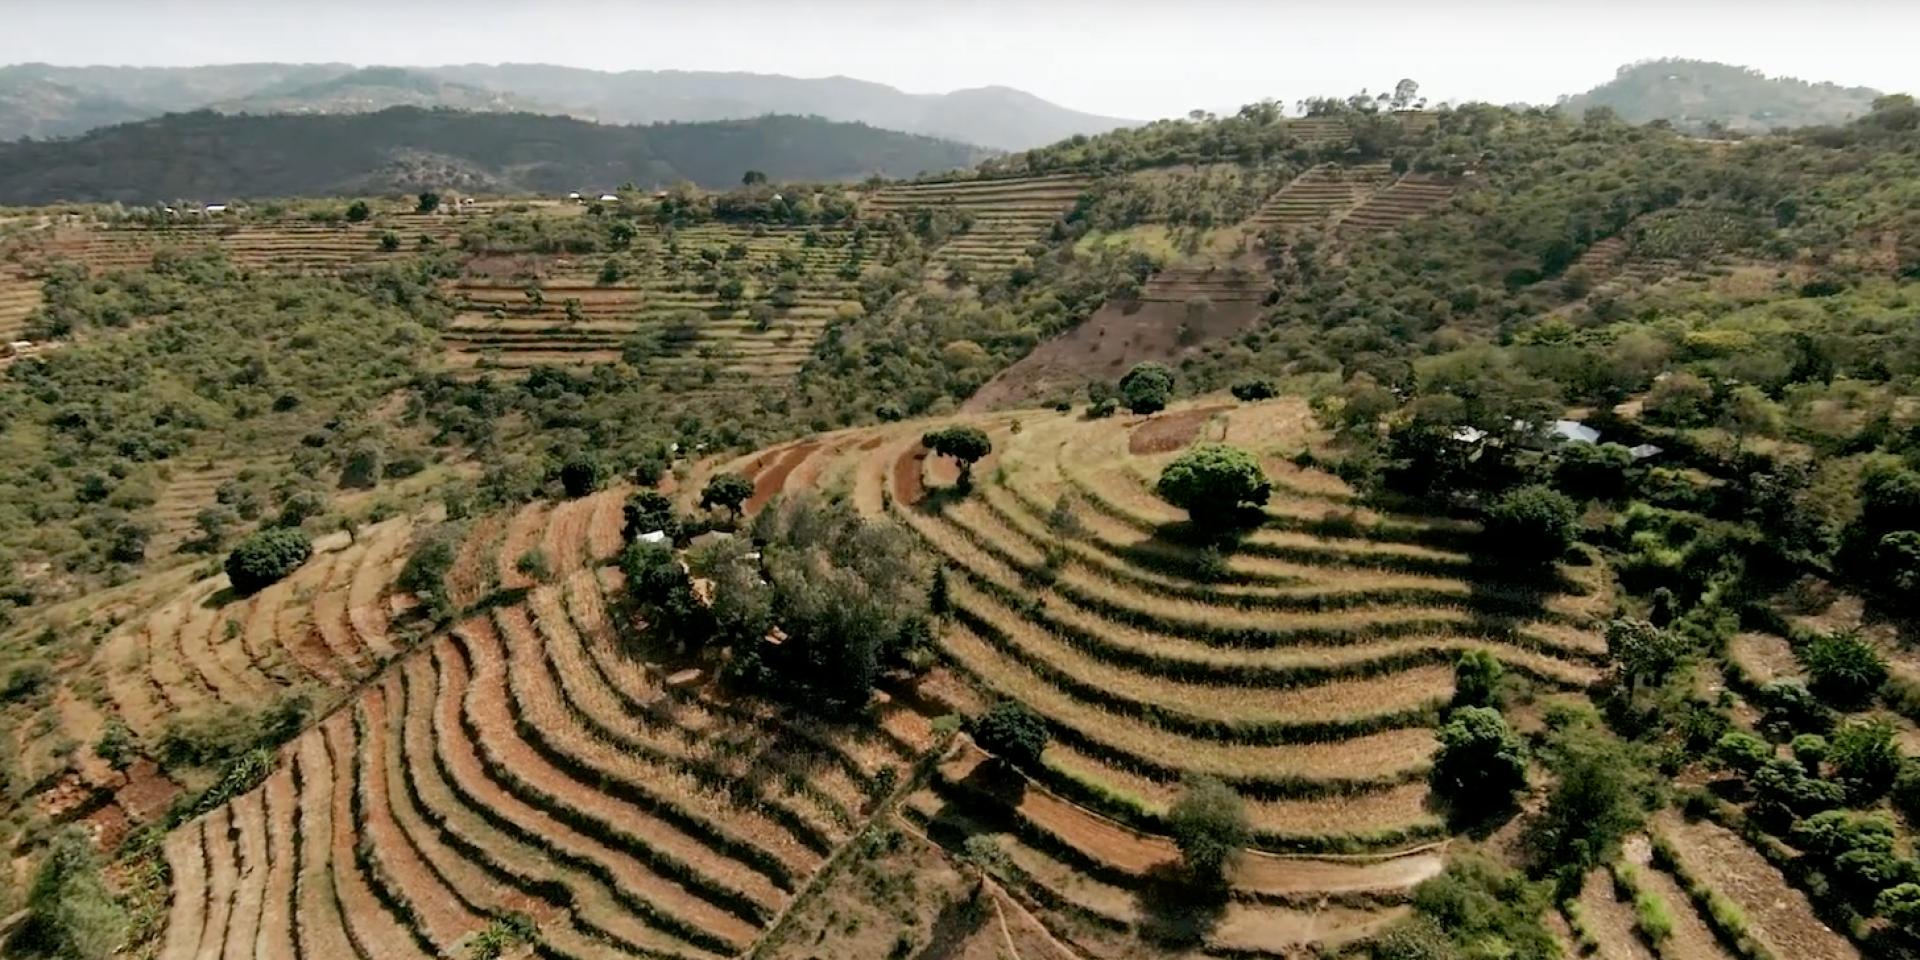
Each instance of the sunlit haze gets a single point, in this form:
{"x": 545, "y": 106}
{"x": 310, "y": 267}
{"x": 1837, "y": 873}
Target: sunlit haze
{"x": 1137, "y": 60}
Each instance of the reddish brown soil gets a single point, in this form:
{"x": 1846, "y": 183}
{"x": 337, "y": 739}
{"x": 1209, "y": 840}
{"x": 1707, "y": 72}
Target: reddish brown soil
{"x": 1139, "y": 853}
{"x": 907, "y": 487}
{"x": 1106, "y": 346}
{"x": 1170, "y": 431}
{"x": 768, "y": 483}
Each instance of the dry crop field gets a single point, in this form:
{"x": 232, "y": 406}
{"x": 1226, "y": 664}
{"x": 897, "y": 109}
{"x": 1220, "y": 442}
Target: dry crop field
{"x": 693, "y": 333}
{"x": 526, "y": 765}
{"x": 1009, "y": 215}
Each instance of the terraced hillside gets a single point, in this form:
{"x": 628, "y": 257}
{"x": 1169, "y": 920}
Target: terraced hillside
{"x": 289, "y": 245}
{"x": 20, "y": 296}
{"x": 1308, "y": 674}
{"x": 688, "y": 330}
{"x": 1319, "y": 196}
{"x": 1008, "y": 215}
{"x": 1412, "y": 196}
{"x": 525, "y": 765}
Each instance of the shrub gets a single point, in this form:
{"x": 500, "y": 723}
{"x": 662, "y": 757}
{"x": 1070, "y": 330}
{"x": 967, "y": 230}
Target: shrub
{"x": 390, "y": 241}
{"x": 1593, "y": 470}
{"x": 1810, "y": 749}
{"x": 1209, "y": 825}
{"x": 1901, "y": 905}
{"x": 425, "y": 573}
{"x": 1743, "y": 752}
{"x": 358, "y": 212}
{"x": 1214, "y": 482}
{"x": 70, "y": 911}
{"x": 1532, "y": 524}
{"x": 1011, "y": 731}
{"x": 1865, "y": 757}
{"x": 1652, "y": 917}
{"x": 1476, "y": 679}
{"x": 582, "y": 474}
{"x": 1147, "y": 388}
{"x": 1258, "y": 388}
{"x": 534, "y": 565}
{"x": 1906, "y": 791}
{"x": 1102, "y": 408}
{"x": 267, "y": 557}
{"x": 1844, "y": 669}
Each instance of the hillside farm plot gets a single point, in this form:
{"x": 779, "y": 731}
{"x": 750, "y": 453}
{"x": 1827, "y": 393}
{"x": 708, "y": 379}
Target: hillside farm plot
{"x": 1408, "y": 198}
{"x": 20, "y": 297}
{"x": 294, "y": 246}
{"x": 1308, "y": 675}
{"x": 1008, "y": 215}
{"x": 1319, "y": 196}
{"x": 1778, "y": 916}
{"x": 1179, "y": 312}
{"x": 525, "y": 764}
{"x": 663, "y": 314}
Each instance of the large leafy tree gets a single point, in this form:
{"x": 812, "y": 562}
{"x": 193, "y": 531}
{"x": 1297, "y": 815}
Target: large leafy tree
{"x": 1147, "y": 387}
{"x": 1214, "y": 482}
{"x": 1209, "y": 825}
{"x": 728, "y": 490}
{"x": 1482, "y": 762}
{"x": 266, "y": 557}
{"x": 965, "y": 444}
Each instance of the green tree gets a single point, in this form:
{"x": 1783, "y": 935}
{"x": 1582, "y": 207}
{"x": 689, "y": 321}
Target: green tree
{"x": 1598, "y": 797}
{"x": 647, "y": 512}
{"x": 1596, "y": 471}
{"x": 1011, "y": 731}
{"x": 661, "y": 590}
{"x": 1641, "y": 652}
{"x": 581, "y": 474}
{"x": 1531, "y": 525}
{"x": 1481, "y": 762}
{"x": 965, "y": 444}
{"x": 1476, "y": 679}
{"x": 70, "y": 912}
{"x": 357, "y": 211}
{"x": 729, "y": 490}
{"x": 267, "y": 557}
{"x": 1209, "y": 825}
{"x": 1214, "y": 483}
{"x": 753, "y": 178}
{"x": 429, "y": 202}
{"x": 1147, "y": 387}
{"x": 389, "y": 241}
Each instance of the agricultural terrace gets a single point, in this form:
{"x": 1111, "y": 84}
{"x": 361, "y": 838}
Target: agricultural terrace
{"x": 20, "y": 296}
{"x": 524, "y": 767}
{"x": 1412, "y": 196}
{"x": 701, "y": 305}
{"x": 300, "y": 246}
{"x": 1306, "y": 669}
{"x": 1321, "y": 195}
{"x": 1007, "y": 216}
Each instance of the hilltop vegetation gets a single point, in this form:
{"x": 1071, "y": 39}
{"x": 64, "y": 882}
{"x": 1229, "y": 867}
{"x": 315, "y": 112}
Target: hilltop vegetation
{"x": 1699, "y": 96}
{"x": 206, "y": 155}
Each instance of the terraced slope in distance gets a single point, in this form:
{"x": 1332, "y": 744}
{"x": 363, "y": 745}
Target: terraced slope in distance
{"x": 1319, "y": 196}
{"x": 1412, "y": 196}
{"x": 689, "y": 333}
{"x": 1009, "y": 215}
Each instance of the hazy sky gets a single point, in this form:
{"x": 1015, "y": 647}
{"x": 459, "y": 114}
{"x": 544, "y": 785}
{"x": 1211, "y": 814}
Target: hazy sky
{"x": 1130, "y": 59}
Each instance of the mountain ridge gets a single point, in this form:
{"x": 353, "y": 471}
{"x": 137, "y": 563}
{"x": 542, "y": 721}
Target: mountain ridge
{"x": 86, "y": 98}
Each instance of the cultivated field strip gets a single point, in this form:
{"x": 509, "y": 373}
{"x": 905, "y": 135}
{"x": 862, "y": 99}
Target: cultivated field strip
{"x": 683, "y": 327}
{"x": 1319, "y": 196}
{"x": 1008, "y": 215}
{"x": 1410, "y": 197}
{"x": 1308, "y": 675}
{"x": 524, "y": 764}
{"x": 20, "y": 297}
{"x": 286, "y": 245}
{"x": 324, "y": 627}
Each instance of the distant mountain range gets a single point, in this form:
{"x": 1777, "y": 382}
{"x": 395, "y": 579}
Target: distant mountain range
{"x": 1699, "y": 96}
{"x": 212, "y": 156}
{"x": 40, "y": 101}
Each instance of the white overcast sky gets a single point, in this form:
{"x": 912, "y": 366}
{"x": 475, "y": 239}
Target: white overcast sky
{"x": 1129, "y": 59}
